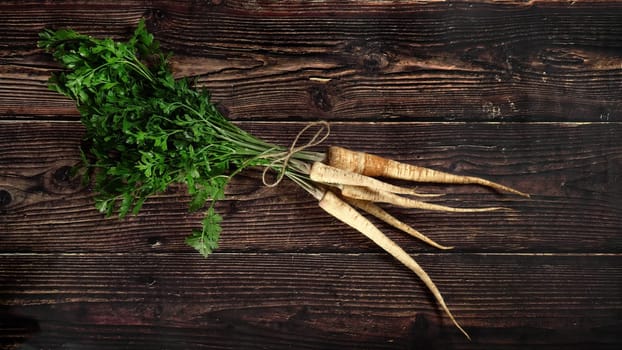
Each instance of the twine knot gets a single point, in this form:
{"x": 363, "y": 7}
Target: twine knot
{"x": 282, "y": 159}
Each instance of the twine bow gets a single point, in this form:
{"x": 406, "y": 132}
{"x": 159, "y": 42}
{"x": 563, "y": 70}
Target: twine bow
{"x": 282, "y": 159}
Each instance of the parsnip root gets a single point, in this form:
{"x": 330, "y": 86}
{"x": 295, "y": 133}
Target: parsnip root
{"x": 365, "y": 193}
{"x": 383, "y": 215}
{"x": 376, "y": 166}
{"x": 338, "y": 208}
{"x": 327, "y": 174}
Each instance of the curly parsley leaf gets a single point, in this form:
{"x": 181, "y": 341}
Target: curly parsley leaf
{"x": 146, "y": 130}
{"x": 205, "y": 241}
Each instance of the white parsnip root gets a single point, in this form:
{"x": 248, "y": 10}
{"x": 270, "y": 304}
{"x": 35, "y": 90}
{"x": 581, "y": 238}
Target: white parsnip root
{"x": 351, "y": 174}
{"x": 336, "y": 207}
{"x": 383, "y": 215}
{"x": 323, "y": 173}
{"x": 372, "y": 165}
{"x": 373, "y": 195}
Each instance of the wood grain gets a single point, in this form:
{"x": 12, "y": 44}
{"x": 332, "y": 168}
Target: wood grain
{"x": 409, "y": 61}
{"x": 571, "y": 170}
{"x": 526, "y": 93}
{"x": 310, "y": 301}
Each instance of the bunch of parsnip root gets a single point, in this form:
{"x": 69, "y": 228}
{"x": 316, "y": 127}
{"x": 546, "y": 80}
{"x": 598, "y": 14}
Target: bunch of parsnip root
{"x": 146, "y": 130}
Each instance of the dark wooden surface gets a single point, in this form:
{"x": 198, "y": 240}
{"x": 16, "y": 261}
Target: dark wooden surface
{"x": 527, "y": 93}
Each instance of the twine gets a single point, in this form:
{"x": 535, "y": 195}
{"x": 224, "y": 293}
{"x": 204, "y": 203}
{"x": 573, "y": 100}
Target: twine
{"x": 283, "y": 158}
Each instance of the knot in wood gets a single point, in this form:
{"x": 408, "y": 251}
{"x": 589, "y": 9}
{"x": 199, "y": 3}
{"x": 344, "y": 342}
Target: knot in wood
{"x": 369, "y": 56}
{"x": 375, "y": 61}
{"x": 5, "y": 198}
{"x": 62, "y": 174}
{"x": 320, "y": 98}
{"x": 155, "y": 19}
{"x": 61, "y": 180}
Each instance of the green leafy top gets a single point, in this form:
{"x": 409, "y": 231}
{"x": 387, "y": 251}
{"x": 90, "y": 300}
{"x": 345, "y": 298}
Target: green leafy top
{"x": 147, "y": 130}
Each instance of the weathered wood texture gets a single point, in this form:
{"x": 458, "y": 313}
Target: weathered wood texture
{"x": 281, "y": 301}
{"x": 538, "y": 60}
{"x": 413, "y": 80}
{"x": 572, "y": 170}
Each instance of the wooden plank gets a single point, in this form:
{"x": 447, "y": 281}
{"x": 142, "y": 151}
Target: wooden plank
{"x": 546, "y": 275}
{"x": 319, "y": 301}
{"x": 360, "y": 59}
{"x": 571, "y": 170}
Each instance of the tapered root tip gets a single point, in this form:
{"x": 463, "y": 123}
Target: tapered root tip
{"x": 476, "y": 210}
{"x": 455, "y": 322}
{"x": 464, "y": 332}
{"x": 501, "y": 188}
{"x": 523, "y": 194}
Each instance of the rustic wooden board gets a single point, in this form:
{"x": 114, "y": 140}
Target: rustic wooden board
{"x": 526, "y": 93}
{"x": 309, "y": 301}
{"x": 536, "y": 60}
{"x": 571, "y": 170}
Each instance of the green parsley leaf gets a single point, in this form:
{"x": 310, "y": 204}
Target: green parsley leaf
{"x": 146, "y": 130}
